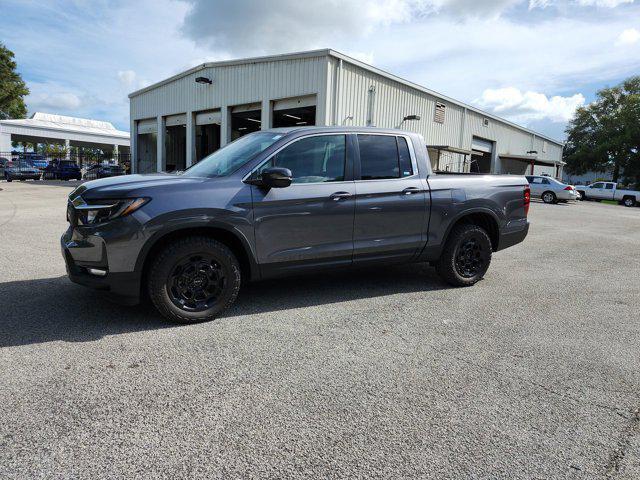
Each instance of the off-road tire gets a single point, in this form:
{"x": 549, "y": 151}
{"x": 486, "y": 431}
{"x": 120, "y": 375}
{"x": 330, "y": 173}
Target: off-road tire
{"x": 163, "y": 264}
{"x": 446, "y": 265}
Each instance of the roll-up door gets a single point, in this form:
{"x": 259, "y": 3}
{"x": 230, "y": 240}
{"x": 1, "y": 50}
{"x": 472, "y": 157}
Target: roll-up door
{"x": 147, "y": 126}
{"x": 208, "y": 118}
{"x": 173, "y": 120}
{"x": 481, "y": 145}
{"x": 297, "y": 102}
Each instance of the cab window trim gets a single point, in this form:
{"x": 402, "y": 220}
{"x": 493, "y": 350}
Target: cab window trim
{"x": 357, "y": 175}
{"x": 348, "y": 172}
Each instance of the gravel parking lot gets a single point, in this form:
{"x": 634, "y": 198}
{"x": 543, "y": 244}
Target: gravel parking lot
{"x": 532, "y": 373}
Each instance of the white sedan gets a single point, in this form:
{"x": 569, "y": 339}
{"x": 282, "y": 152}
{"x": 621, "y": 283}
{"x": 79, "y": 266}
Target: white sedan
{"x": 551, "y": 190}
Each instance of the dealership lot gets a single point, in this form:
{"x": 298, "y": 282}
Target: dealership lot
{"x": 532, "y": 373}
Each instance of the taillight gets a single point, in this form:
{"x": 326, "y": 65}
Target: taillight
{"x": 568, "y": 187}
{"x": 527, "y": 200}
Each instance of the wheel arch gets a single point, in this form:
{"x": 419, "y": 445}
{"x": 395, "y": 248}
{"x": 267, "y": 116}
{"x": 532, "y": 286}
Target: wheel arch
{"x": 486, "y": 219}
{"x": 227, "y": 236}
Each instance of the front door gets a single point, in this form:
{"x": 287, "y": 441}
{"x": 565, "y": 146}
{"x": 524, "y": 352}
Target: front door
{"x": 310, "y": 223}
{"x": 596, "y": 191}
{"x": 391, "y": 201}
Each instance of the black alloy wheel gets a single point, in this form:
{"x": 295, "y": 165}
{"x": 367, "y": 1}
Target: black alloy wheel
{"x": 196, "y": 283}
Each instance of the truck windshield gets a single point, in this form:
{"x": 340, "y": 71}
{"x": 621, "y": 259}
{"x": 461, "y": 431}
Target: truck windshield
{"x": 228, "y": 159}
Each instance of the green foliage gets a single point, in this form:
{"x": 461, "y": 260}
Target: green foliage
{"x": 605, "y": 135}
{"x": 12, "y": 87}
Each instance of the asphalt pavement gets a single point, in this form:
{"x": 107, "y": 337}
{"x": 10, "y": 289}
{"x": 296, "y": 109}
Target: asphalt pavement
{"x": 382, "y": 373}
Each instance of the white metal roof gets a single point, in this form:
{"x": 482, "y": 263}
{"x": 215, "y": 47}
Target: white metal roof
{"x": 85, "y": 126}
{"x": 346, "y": 58}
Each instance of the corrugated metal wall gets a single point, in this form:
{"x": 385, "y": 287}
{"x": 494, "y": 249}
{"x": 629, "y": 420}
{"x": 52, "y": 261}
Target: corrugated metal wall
{"x": 347, "y": 94}
{"x": 235, "y": 85}
{"x": 394, "y": 100}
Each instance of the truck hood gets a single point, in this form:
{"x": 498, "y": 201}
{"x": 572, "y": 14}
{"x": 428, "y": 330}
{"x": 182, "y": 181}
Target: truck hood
{"x": 133, "y": 185}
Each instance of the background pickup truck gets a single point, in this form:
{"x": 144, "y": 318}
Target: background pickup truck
{"x": 283, "y": 202}
{"x": 609, "y": 191}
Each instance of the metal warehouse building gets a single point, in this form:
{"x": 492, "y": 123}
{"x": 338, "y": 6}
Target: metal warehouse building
{"x": 180, "y": 120}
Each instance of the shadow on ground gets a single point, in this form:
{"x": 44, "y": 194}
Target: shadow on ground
{"x": 54, "y": 309}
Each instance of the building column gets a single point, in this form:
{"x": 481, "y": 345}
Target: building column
{"x": 265, "y": 115}
{"x": 5, "y": 143}
{"x": 133, "y": 148}
{"x": 191, "y": 139}
{"x": 67, "y": 149}
{"x": 161, "y": 154}
{"x": 225, "y": 125}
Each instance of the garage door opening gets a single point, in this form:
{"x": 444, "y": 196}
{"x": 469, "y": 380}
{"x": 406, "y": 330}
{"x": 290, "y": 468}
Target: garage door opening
{"x": 207, "y": 133}
{"x": 245, "y": 120}
{"x": 176, "y": 148}
{"x": 481, "y": 156}
{"x": 147, "y": 150}
{"x": 294, "y": 112}
{"x": 295, "y": 117}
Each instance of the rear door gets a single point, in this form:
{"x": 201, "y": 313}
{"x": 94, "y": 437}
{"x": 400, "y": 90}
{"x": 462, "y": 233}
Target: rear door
{"x": 609, "y": 191}
{"x": 391, "y": 216}
{"x": 310, "y": 223}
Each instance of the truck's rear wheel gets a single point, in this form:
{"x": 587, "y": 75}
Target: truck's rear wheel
{"x": 193, "y": 280}
{"x": 466, "y": 256}
{"x": 629, "y": 202}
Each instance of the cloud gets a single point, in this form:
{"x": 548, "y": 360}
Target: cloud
{"x": 528, "y": 106}
{"x": 628, "y": 37}
{"x": 52, "y": 98}
{"x": 602, "y": 3}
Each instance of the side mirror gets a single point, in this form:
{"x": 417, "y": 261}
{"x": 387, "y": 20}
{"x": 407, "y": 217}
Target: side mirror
{"x": 276, "y": 177}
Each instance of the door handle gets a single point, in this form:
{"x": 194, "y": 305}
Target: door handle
{"x": 410, "y": 190}
{"x": 339, "y": 196}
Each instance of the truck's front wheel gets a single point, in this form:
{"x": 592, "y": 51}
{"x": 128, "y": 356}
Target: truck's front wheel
{"x": 193, "y": 280}
{"x": 466, "y": 256}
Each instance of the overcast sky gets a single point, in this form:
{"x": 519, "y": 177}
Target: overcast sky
{"x": 532, "y": 61}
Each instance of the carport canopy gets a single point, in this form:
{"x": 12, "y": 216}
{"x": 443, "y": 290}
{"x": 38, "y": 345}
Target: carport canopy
{"x": 60, "y": 129}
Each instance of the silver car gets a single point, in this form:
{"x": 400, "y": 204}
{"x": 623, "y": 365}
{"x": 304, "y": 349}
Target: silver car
{"x": 551, "y": 190}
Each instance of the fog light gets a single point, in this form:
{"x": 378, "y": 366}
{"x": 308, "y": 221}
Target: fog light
{"x": 97, "y": 272}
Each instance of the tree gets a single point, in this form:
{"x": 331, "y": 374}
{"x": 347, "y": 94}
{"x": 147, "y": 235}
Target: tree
{"x": 12, "y": 87}
{"x": 604, "y": 136}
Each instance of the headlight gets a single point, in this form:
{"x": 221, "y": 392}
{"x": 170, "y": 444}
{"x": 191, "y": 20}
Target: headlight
{"x": 100, "y": 211}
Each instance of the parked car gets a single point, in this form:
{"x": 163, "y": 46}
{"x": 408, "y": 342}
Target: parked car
{"x": 609, "y": 191}
{"x": 283, "y": 202}
{"x": 102, "y": 170}
{"x": 62, "y": 170}
{"x": 21, "y": 171}
{"x": 3, "y": 163}
{"x": 550, "y": 190}
{"x": 35, "y": 160}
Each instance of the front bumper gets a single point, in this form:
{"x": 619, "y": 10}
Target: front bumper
{"x": 82, "y": 254}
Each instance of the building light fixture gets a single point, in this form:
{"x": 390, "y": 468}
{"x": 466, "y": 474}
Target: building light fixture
{"x": 204, "y": 80}
{"x": 301, "y": 123}
{"x": 411, "y": 117}
{"x": 254, "y": 120}
{"x": 291, "y": 116}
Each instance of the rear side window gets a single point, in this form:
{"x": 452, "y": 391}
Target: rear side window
{"x": 608, "y": 186}
{"x": 384, "y": 157}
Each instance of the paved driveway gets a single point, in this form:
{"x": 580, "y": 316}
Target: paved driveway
{"x": 532, "y": 373}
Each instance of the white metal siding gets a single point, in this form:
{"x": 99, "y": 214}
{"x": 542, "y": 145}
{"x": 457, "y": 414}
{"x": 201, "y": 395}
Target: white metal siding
{"x": 235, "y": 85}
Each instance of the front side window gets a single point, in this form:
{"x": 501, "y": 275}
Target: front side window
{"x": 597, "y": 185}
{"x": 228, "y": 159}
{"x": 320, "y": 158}
{"x": 384, "y": 157}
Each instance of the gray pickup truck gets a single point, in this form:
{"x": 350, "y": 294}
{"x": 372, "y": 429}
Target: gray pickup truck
{"x": 284, "y": 202}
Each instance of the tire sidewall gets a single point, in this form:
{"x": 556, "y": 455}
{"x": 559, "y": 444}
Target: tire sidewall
{"x": 163, "y": 265}
{"x": 446, "y": 266}
{"x": 550, "y": 195}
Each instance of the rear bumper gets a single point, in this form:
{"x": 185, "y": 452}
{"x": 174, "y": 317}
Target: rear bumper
{"x": 513, "y": 237}
{"x": 124, "y": 287}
